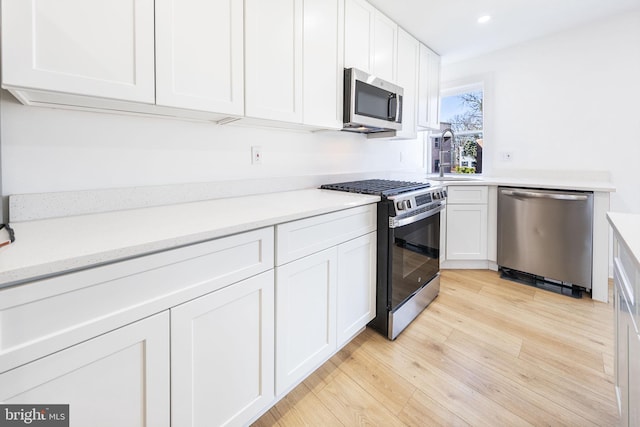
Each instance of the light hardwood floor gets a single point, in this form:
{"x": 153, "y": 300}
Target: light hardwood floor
{"x": 486, "y": 352}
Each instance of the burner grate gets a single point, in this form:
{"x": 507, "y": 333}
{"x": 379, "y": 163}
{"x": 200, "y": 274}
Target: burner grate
{"x": 378, "y": 187}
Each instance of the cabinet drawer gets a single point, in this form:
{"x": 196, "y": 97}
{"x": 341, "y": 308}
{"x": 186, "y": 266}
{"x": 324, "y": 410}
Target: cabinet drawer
{"x": 44, "y": 316}
{"x": 627, "y": 276}
{"x": 629, "y": 269}
{"x": 467, "y": 194}
{"x": 297, "y": 239}
{"x": 626, "y": 293}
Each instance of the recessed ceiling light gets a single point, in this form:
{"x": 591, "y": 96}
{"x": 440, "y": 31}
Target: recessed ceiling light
{"x": 484, "y": 19}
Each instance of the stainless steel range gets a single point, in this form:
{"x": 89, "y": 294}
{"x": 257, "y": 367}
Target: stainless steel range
{"x": 408, "y": 268}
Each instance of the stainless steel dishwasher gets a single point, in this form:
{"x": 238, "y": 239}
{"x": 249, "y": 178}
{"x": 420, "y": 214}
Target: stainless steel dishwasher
{"x": 546, "y": 233}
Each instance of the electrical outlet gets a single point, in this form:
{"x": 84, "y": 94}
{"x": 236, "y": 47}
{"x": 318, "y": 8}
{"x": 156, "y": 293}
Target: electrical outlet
{"x": 256, "y": 155}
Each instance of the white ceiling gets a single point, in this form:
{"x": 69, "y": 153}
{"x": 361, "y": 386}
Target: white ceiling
{"x": 450, "y": 27}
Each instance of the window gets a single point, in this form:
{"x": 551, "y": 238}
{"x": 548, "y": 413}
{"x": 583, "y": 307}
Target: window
{"x": 461, "y": 109}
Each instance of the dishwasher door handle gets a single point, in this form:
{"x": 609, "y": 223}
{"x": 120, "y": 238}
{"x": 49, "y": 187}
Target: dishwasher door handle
{"x": 536, "y": 195}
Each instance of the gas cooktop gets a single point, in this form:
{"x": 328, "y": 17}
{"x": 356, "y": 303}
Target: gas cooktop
{"x": 377, "y": 187}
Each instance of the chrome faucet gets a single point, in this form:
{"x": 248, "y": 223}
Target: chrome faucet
{"x": 441, "y": 152}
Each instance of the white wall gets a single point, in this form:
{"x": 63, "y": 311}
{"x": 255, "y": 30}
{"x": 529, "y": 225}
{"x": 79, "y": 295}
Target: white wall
{"x": 51, "y": 150}
{"x": 570, "y": 101}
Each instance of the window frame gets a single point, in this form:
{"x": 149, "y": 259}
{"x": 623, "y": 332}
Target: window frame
{"x": 482, "y": 82}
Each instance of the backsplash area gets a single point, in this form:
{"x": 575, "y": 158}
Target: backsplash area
{"x": 34, "y": 206}
{"x": 53, "y": 150}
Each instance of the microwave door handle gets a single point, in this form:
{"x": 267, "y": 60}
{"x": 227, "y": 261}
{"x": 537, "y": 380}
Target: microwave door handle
{"x": 392, "y": 105}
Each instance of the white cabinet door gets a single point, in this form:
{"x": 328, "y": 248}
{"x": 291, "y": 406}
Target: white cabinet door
{"x": 84, "y": 47}
{"x": 356, "y": 304}
{"x": 222, "y": 355}
{"x": 429, "y": 89}
{"x": 359, "y": 17}
{"x": 120, "y": 378}
{"x": 408, "y": 58}
{"x": 370, "y": 40}
{"x": 273, "y": 60}
{"x": 385, "y": 42}
{"x": 466, "y": 232}
{"x": 634, "y": 378}
{"x": 627, "y": 341}
{"x": 305, "y": 316}
{"x": 199, "y": 55}
{"x": 323, "y": 63}
{"x": 621, "y": 348}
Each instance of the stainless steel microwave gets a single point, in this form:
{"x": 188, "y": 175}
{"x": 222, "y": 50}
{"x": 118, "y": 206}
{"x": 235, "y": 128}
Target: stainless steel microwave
{"x": 371, "y": 105}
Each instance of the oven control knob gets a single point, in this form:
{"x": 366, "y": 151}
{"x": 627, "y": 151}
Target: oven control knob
{"x": 400, "y": 205}
{"x": 407, "y": 204}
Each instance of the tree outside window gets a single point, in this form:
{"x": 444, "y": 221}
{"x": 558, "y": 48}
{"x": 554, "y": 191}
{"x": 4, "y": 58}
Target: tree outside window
{"x": 462, "y": 112}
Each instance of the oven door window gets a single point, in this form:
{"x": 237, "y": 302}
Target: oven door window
{"x": 415, "y": 257}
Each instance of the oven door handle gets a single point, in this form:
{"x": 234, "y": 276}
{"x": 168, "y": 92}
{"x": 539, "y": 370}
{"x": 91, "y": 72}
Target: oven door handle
{"x": 395, "y": 222}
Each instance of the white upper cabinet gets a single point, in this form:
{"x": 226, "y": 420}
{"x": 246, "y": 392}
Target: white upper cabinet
{"x": 358, "y": 35}
{"x": 273, "y": 59}
{"x": 293, "y": 61}
{"x": 199, "y": 55}
{"x": 408, "y": 58}
{"x": 84, "y": 47}
{"x": 277, "y": 60}
{"x": 429, "y": 89}
{"x": 323, "y": 63}
{"x": 385, "y": 42}
{"x": 370, "y": 40}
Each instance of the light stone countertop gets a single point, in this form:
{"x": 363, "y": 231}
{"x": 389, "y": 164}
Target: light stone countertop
{"x": 529, "y": 182}
{"x": 627, "y": 226}
{"x": 58, "y": 245}
{"x": 53, "y": 246}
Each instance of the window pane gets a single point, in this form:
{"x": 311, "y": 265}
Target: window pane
{"x": 463, "y": 113}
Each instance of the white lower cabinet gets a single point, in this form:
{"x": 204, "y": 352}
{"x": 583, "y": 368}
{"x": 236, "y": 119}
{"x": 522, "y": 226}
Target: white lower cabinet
{"x": 325, "y": 288}
{"x": 305, "y": 316}
{"x": 634, "y": 379}
{"x": 204, "y": 335}
{"x": 222, "y": 355}
{"x": 466, "y": 232}
{"x": 179, "y": 337}
{"x": 356, "y": 293}
{"x": 120, "y": 378}
{"x": 626, "y": 277}
{"x": 467, "y": 223}
{"x": 627, "y": 362}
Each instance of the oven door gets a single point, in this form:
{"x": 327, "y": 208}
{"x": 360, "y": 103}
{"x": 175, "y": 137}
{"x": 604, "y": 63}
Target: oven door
{"x": 414, "y": 257}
